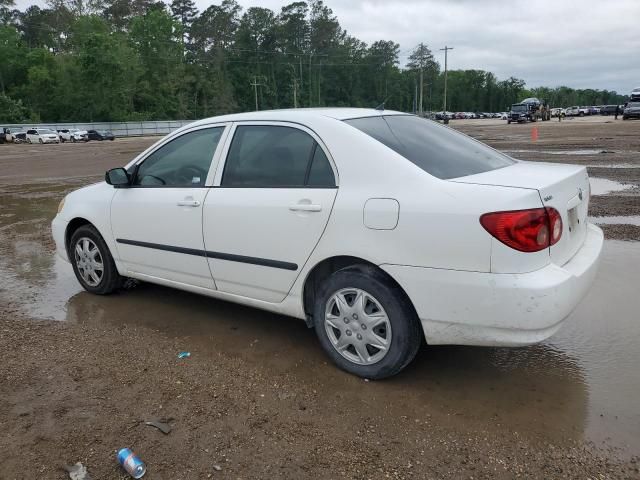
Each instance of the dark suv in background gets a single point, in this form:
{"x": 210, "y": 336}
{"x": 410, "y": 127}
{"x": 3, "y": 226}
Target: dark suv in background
{"x": 100, "y": 135}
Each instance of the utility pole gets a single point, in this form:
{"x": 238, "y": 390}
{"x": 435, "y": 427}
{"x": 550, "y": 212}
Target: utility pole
{"x": 319, "y": 77}
{"x": 255, "y": 86}
{"x": 446, "y": 50}
{"x": 421, "y": 87}
{"x": 295, "y": 93}
{"x": 310, "y": 81}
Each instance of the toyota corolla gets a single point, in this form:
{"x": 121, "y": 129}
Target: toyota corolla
{"x": 380, "y": 229}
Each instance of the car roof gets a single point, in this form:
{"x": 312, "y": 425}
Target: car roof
{"x": 300, "y": 114}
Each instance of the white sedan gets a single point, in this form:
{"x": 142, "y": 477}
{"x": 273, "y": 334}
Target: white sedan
{"x": 380, "y": 229}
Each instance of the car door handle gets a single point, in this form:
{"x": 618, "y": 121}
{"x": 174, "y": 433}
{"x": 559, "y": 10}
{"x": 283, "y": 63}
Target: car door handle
{"x": 305, "y": 207}
{"x": 188, "y": 203}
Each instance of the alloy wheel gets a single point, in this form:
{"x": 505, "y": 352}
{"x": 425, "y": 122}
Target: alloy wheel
{"x": 357, "y": 326}
{"x": 89, "y": 261}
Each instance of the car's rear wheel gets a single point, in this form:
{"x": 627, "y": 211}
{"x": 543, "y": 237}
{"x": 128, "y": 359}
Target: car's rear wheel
{"x": 92, "y": 262}
{"x": 40, "y": 140}
{"x": 366, "y": 323}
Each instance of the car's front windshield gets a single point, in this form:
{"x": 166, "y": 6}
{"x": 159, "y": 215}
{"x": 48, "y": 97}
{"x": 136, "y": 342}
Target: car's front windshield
{"x": 518, "y": 108}
{"x": 438, "y": 150}
{"x": 633, "y": 105}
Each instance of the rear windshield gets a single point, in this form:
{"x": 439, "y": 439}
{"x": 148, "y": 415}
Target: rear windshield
{"x": 438, "y": 150}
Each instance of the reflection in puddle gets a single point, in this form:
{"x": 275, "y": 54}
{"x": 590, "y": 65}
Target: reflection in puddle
{"x": 616, "y": 220}
{"x": 603, "y": 186}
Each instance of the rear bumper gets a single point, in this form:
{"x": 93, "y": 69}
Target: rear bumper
{"x": 474, "y": 308}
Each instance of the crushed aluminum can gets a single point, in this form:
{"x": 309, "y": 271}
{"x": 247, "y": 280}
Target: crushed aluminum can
{"x": 184, "y": 354}
{"x": 131, "y": 463}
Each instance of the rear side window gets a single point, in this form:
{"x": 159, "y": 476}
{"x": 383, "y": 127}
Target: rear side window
{"x": 272, "y": 156}
{"x": 438, "y": 150}
{"x": 320, "y": 171}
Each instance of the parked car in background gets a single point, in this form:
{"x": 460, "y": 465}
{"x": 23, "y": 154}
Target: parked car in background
{"x": 632, "y": 110}
{"x": 100, "y": 135}
{"x": 572, "y": 111}
{"x": 73, "y": 135}
{"x": 557, "y": 112}
{"x": 19, "y": 137}
{"x": 299, "y": 212}
{"x": 593, "y": 110}
{"x": 582, "y": 111}
{"x": 42, "y": 135}
{"x": 608, "y": 110}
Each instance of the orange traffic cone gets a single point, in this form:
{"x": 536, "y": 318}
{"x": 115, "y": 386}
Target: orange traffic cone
{"x": 534, "y": 134}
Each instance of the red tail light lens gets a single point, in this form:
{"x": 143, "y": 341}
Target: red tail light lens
{"x": 529, "y": 230}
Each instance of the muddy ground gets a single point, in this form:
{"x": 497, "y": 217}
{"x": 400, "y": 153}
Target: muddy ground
{"x": 81, "y": 373}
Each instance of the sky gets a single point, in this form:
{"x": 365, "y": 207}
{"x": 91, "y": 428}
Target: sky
{"x": 577, "y": 43}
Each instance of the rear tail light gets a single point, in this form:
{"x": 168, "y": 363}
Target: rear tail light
{"x": 529, "y": 230}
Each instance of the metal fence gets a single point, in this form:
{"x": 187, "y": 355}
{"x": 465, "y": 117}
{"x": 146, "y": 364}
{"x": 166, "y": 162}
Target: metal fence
{"x": 119, "y": 129}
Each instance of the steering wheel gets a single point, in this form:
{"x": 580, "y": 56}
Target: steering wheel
{"x": 186, "y": 174}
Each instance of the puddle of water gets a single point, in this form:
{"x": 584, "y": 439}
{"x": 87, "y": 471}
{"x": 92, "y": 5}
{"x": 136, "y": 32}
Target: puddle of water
{"x": 616, "y": 220}
{"x": 603, "y": 186}
{"x": 613, "y": 165}
{"x": 603, "y": 335}
{"x": 563, "y": 152}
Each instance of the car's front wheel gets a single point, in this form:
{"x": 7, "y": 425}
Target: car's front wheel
{"x": 92, "y": 262}
{"x": 366, "y": 323}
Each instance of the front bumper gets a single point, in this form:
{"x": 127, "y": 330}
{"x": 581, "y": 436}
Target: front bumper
{"x": 58, "y": 230}
{"x": 475, "y": 308}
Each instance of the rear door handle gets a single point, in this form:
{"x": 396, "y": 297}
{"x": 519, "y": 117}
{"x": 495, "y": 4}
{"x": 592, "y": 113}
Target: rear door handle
{"x": 188, "y": 203}
{"x": 305, "y": 207}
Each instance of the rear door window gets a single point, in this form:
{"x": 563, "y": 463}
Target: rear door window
{"x": 270, "y": 156}
{"x": 438, "y": 150}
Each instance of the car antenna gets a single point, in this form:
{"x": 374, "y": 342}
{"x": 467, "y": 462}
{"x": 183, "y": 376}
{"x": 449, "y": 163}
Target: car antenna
{"x": 381, "y": 106}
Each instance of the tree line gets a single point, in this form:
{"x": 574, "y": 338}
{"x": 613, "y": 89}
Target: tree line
{"x": 128, "y": 60}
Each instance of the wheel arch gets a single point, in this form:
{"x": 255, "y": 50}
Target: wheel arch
{"x": 328, "y": 266}
{"x": 72, "y": 226}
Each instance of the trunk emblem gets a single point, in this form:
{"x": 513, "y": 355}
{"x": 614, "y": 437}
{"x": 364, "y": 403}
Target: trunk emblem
{"x": 546, "y": 199}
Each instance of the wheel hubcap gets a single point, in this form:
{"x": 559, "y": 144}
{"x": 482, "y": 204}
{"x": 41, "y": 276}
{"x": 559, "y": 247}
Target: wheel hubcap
{"x": 89, "y": 261}
{"x": 357, "y": 326}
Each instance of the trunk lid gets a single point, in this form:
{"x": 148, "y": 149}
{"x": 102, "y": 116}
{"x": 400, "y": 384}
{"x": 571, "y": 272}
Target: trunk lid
{"x": 563, "y": 187}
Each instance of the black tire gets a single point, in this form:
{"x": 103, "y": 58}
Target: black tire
{"x": 581, "y": 114}
{"x": 111, "y": 279}
{"x": 40, "y": 140}
{"x": 407, "y": 335}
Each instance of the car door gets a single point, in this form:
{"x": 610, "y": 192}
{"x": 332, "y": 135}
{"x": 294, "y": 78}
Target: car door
{"x": 157, "y": 221}
{"x": 269, "y": 207}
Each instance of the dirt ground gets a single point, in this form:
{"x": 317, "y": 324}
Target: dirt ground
{"x": 258, "y": 399}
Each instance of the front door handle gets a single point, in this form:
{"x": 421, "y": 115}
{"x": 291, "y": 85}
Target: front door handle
{"x": 305, "y": 207}
{"x": 188, "y": 203}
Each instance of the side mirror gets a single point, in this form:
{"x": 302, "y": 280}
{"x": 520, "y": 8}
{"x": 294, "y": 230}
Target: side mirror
{"x": 118, "y": 177}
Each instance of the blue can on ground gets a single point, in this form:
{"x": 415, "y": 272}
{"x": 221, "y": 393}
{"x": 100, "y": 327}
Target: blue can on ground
{"x": 131, "y": 463}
